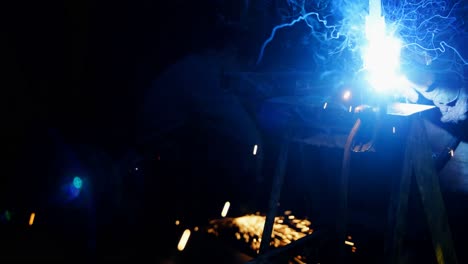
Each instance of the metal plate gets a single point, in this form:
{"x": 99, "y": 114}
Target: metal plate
{"x": 403, "y": 109}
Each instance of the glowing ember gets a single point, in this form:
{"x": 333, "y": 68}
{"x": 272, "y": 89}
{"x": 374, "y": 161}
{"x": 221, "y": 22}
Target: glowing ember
{"x": 31, "y": 218}
{"x": 225, "y": 209}
{"x": 255, "y": 150}
{"x": 250, "y": 229}
{"x": 183, "y": 240}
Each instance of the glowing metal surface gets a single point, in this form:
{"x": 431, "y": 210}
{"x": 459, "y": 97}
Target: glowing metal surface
{"x": 250, "y": 229}
{"x": 402, "y": 109}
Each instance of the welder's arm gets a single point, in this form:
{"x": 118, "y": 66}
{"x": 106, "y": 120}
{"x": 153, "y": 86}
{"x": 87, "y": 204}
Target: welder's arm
{"x": 449, "y": 95}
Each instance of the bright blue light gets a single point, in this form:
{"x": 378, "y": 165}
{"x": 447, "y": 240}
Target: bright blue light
{"x": 77, "y": 182}
{"x": 381, "y": 54}
{"x": 377, "y": 33}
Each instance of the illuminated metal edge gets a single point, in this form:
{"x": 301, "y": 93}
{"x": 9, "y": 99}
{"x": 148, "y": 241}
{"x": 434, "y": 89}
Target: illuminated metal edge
{"x": 403, "y": 109}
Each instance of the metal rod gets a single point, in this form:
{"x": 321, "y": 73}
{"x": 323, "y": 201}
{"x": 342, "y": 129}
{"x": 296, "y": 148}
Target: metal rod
{"x": 275, "y": 196}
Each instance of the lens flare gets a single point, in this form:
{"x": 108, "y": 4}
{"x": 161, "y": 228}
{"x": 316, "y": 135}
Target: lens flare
{"x": 77, "y": 182}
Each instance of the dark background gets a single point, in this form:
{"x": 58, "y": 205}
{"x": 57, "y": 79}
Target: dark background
{"x": 78, "y": 70}
{"x": 81, "y": 68}
{"x": 75, "y": 77}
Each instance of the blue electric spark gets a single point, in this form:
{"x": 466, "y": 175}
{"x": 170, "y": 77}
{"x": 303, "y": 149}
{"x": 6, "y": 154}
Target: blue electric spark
{"x": 334, "y": 32}
{"x": 389, "y": 36}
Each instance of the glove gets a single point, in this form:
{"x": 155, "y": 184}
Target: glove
{"x": 451, "y": 102}
{"x": 456, "y": 113}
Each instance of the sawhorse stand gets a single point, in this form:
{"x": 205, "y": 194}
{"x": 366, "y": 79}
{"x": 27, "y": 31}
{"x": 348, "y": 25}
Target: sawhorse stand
{"x": 418, "y": 162}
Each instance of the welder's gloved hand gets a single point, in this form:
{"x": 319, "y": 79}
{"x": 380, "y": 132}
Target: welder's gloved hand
{"x": 455, "y": 113}
{"x": 446, "y": 92}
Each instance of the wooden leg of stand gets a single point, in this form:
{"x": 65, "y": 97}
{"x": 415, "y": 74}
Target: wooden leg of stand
{"x": 431, "y": 196}
{"x": 275, "y": 196}
{"x": 399, "y": 207}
